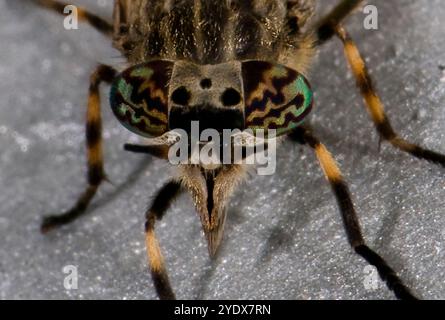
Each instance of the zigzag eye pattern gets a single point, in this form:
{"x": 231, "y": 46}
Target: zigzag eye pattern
{"x": 276, "y": 97}
{"x": 139, "y": 97}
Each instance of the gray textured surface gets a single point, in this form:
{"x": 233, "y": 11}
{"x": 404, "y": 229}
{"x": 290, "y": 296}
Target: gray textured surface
{"x": 284, "y": 237}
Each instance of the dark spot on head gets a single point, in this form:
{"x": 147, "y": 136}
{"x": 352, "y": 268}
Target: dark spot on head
{"x": 206, "y": 83}
{"x": 230, "y": 97}
{"x": 181, "y": 96}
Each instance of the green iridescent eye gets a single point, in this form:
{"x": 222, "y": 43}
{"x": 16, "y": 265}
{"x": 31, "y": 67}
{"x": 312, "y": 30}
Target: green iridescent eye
{"x": 275, "y": 96}
{"x": 139, "y": 97}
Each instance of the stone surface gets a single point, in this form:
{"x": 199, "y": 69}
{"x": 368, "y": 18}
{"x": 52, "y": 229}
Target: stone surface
{"x": 284, "y": 238}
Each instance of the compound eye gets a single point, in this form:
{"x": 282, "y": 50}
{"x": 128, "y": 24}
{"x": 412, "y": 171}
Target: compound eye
{"x": 275, "y": 96}
{"x": 139, "y": 97}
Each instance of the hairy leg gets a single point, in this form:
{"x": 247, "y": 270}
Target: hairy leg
{"x": 325, "y": 28}
{"x": 96, "y": 172}
{"x": 349, "y": 216}
{"x": 84, "y": 15}
{"x": 375, "y": 105}
{"x": 159, "y": 206}
{"x": 156, "y": 151}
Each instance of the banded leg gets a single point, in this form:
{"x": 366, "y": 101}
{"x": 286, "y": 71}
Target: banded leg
{"x": 159, "y": 206}
{"x": 325, "y": 28}
{"x": 83, "y": 15}
{"x": 96, "y": 172}
{"x": 375, "y": 105}
{"x": 349, "y": 216}
{"x": 160, "y": 152}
